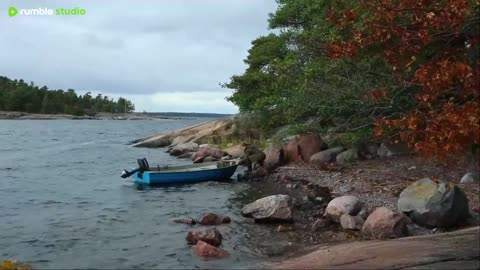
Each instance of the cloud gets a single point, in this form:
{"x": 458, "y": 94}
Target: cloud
{"x": 179, "y": 50}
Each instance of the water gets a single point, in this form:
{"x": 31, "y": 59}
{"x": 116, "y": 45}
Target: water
{"x": 63, "y": 204}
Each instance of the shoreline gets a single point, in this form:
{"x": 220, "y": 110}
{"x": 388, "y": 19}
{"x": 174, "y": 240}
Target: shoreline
{"x": 7, "y": 115}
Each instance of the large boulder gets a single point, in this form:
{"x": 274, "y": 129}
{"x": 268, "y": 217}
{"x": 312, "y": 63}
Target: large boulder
{"x": 235, "y": 151}
{"x": 204, "y": 249}
{"x": 209, "y": 235}
{"x": 275, "y": 208}
{"x": 183, "y": 148}
{"x": 349, "y": 222}
{"x": 209, "y": 151}
{"x": 345, "y": 205}
{"x": 348, "y": 156}
{"x": 385, "y": 223}
{"x": 433, "y": 204}
{"x": 326, "y": 155}
{"x": 275, "y": 156}
{"x": 303, "y": 148}
{"x": 388, "y": 150}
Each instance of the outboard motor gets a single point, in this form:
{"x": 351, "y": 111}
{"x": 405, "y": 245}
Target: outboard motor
{"x": 142, "y": 166}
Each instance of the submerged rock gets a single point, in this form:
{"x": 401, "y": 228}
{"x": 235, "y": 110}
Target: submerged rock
{"x": 204, "y": 249}
{"x": 345, "y": 205}
{"x": 385, "y": 223}
{"x": 209, "y": 235}
{"x": 433, "y": 204}
{"x": 213, "y": 219}
{"x": 189, "y": 221}
{"x": 275, "y": 208}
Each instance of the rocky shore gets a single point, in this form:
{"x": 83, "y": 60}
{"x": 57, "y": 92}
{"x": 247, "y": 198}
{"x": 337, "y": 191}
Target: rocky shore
{"x": 99, "y": 116}
{"x": 323, "y": 194}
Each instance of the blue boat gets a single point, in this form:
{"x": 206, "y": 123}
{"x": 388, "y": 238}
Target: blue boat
{"x": 212, "y": 171}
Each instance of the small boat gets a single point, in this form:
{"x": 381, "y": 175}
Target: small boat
{"x": 167, "y": 175}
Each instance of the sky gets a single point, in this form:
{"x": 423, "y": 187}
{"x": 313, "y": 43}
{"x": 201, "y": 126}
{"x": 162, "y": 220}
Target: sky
{"x": 164, "y": 55}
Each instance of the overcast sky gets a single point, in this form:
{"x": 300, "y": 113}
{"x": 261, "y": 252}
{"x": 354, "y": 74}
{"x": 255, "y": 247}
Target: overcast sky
{"x": 164, "y": 55}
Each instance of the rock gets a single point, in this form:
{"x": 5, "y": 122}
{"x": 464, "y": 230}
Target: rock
{"x": 210, "y": 159}
{"x": 207, "y": 145}
{"x": 199, "y": 160}
{"x": 433, "y": 204}
{"x": 260, "y": 172}
{"x": 369, "y": 151}
{"x": 348, "y": 156}
{"x": 326, "y": 155}
{"x": 185, "y": 156}
{"x": 154, "y": 143}
{"x": 363, "y": 214}
{"x": 351, "y": 222}
{"x": 183, "y": 148}
{"x": 303, "y": 148}
{"x": 337, "y": 207}
{"x": 345, "y": 188}
{"x": 388, "y": 150}
{"x": 284, "y": 228}
{"x": 209, "y": 235}
{"x": 204, "y": 249}
{"x": 320, "y": 223}
{"x": 213, "y": 152}
{"x": 189, "y": 221}
{"x": 385, "y": 223}
{"x": 213, "y": 219}
{"x": 235, "y": 151}
{"x": 228, "y": 157}
{"x": 274, "y": 156}
{"x": 412, "y": 168}
{"x": 275, "y": 208}
{"x": 469, "y": 178}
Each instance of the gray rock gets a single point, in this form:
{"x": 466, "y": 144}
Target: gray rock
{"x": 185, "y": 156}
{"x": 385, "y": 223}
{"x": 326, "y": 155}
{"x": 434, "y": 204}
{"x": 273, "y": 208}
{"x": 388, "y": 150}
{"x": 351, "y": 222}
{"x": 469, "y": 178}
{"x": 183, "y": 148}
{"x": 363, "y": 213}
{"x": 210, "y": 159}
{"x": 348, "y": 156}
{"x": 337, "y": 207}
{"x": 345, "y": 188}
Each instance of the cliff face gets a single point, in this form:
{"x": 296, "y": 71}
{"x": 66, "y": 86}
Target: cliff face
{"x": 208, "y": 132}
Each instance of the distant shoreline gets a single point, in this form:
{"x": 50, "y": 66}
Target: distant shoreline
{"x": 7, "y": 115}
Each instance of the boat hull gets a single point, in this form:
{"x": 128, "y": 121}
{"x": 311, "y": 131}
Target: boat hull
{"x": 183, "y": 177}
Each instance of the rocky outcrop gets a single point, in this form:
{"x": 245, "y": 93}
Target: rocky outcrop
{"x": 213, "y": 219}
{"x": 349, "y": 222}
{"x": 348, "y": 156}
{"x": 454, "y": 250}
{"x": 209, "y": 235}
{"x": 209, "y": 151}
{"x": 345, "y": 205}
{"x": 275, "y": 208}
{"x": 303, "y": 148}
{"x": 433, "y": 204}
{"x": 235, "y": 151}
{"x": 204, "y": 249}
{"x": 326, "y": 155}
{"x": 385, "y": 223}
{"x": 183, "y": 148}
{"x": 202, "y": 133}
{"x": 275, "y": 156}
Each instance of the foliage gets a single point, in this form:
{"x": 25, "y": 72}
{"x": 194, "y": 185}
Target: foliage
{"x": 407, "y": 69}
{"x": 16, "y": 95}
{"x": 13, "y": 265}
{"x": 432, "y": 49}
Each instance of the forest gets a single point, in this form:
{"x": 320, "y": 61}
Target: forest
{"x": 398, "y": 70}
{"x": 17, "y": 95}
